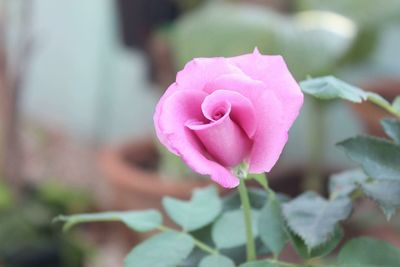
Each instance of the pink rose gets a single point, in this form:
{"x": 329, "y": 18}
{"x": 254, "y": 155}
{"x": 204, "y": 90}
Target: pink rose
{"x": 221, "y": 112}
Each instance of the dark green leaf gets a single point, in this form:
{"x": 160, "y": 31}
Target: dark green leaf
{"x": 237, "y": 254}
{"x": 202, "y": 209}
{"x": 386, "y": 193}
{"x": 344, "y": 183}
{"x": 379, "y": 158}
{"x": 167, "y": 249}
{"x": 271, "y": 226}
{"x": 314, "y": 218}
{"x": 229, "y": 230}
{"x": 216, "y": 261}
{"x": 257, "y": 196}
{"x": 367, "y": 251}
{"x": 320, "y": 251}
{"x": 392, "y": 128}
{"x": 329, "y": 87}
{"x": 141, "y": 221}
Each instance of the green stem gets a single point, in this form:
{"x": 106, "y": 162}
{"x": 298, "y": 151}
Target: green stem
{"x": 205, "y": 247}
{"x": 379, "y": 101}
{"x": 244, "y": 197}
{"x": 313, "y": 180}
{"x": 198, "y": 243}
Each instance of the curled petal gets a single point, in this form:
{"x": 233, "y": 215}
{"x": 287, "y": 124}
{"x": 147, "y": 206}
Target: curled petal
{"x": 271, "y": 134}
{"x": 242, "y": 110}
{"x": 223, "y": 140}
{"x": 177, "y": 109}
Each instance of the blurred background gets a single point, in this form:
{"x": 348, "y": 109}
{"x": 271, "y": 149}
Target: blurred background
{"x": 79, "y": 81}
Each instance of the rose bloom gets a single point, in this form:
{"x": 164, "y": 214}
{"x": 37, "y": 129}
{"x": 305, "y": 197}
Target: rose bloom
{"x": 222, "y": 112}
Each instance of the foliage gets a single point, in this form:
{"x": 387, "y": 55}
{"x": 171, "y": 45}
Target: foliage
{"x": 311, "y": 37}
{"x": 314, "y": 219}
{"x": 216, "y": 261}
{"x": 5, "y": 197}
{"x": 232, "y": 222}
{"x": 141, "y": 221}
{"x": 370, "y": 18}
{"x": 201, "y": 210}
{"x": 369, "y": 252}
{"x": 329, "y": 87}
{"x": 364, "y": 12}
{"x": 165, "y": 249}
{"x": 213, "y": 231}
{"x": 271, "y": 226}
{"x": 27, "y": 236}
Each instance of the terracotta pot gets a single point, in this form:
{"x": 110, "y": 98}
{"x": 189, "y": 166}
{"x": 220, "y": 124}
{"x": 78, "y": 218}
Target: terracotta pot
{"x": 369, "y": 113}
{"x": 131, "y": 172}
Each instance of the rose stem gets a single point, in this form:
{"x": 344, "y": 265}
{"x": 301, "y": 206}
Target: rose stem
{"x": 313, "y": 180}
{"x": 383, "y": 104}
{"x": 244, "y": 197}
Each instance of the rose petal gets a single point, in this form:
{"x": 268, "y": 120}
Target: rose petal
{"x": 223, "y": 139}
{"x": 176, "y": 110}
{"x": 242, "y": 111}
{"x": 271, "y": 135}
{"x": 193, "y": 76}
{"x": 199, "y": 71}
{"x": 156, "y": 118}
{"x": 273, "y": 72}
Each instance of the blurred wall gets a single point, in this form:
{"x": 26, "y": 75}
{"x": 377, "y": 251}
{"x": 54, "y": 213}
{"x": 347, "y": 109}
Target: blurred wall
{"x": 80, "y": 78}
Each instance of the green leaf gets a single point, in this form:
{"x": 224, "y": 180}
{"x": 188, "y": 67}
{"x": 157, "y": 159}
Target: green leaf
{"x": 258, "y": 197}
{"x": 379, "y": 158}
{"x": 313, "y": 218}
{"x": 386, "y": 193}
{"x": 344, "y": 183}
{"x": 216, "y": 261}
{"x": 167, "y": 249}
{"x": 202, "y": 209}
{"x": 321, "y": 250}
{"x": 367, "y": 251}
{"x": 271, "y": 226}
{"x": 261, "y": 263}
{"x": 237, "y": 254}
{"x": 229, "y": 230}
{"x": 141, "y": 221}
{"x": 329, "y": 87}
{"x": 392, "y": 128}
